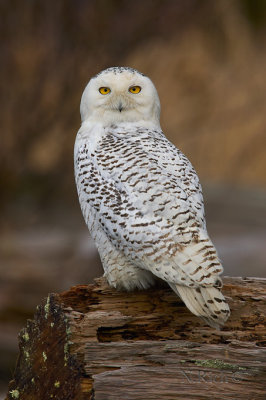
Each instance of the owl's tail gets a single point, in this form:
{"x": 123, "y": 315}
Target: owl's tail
{"x": 205, "y": 302}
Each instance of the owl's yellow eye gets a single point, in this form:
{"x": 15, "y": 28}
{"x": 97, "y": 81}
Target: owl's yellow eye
{"x": 134, "y": 89}
{"x": 104, "y": 90}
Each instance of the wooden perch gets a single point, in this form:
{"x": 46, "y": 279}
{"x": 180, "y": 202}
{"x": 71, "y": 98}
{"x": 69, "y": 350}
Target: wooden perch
{"x": 93, "y": 342}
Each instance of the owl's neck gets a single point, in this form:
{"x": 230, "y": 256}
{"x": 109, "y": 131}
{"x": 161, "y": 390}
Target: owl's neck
{"x": 96, "y": 126}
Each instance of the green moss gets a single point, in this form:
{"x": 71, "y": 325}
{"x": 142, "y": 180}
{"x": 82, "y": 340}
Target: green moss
{"x": 68, "y": 331}
{"x": 27, "y": 355}
{"x": 25, "y": 336}
{"x": 14, "y": 393}
{"x": 57, "y": 384}
{"x": 47, "y": 307}
{"x": 66, "y": 353}
{"x": 218, "y": 364}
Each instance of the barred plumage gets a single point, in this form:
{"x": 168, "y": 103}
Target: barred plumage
{"x": 141, "y": 197}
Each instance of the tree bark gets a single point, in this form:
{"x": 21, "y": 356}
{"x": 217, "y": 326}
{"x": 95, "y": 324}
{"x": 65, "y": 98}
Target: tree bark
{"x": 93, "y": 342}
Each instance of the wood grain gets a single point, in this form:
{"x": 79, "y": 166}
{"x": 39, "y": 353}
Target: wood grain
{"x": 93, "y": 342}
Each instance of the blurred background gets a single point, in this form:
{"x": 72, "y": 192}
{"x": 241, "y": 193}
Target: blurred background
{"x": 208, "y": 61}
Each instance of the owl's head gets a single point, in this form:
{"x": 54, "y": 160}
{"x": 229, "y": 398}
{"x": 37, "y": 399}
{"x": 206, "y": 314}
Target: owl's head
{"x": 120, "y": 94}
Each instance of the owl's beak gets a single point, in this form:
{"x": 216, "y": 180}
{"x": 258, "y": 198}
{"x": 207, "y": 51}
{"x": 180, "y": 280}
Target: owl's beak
{"x": 120, "y": 106}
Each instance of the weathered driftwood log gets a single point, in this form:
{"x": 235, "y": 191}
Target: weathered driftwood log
{"x": 93, "y": 342}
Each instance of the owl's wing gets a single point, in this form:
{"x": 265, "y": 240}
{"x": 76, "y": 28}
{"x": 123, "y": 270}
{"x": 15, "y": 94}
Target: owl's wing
{"x": 183, "y": 177}
{"x": 130, "y": 206}
{"x": 145, "y": 213}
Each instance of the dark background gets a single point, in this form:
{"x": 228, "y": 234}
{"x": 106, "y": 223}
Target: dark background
{"x": 208, "y": 61}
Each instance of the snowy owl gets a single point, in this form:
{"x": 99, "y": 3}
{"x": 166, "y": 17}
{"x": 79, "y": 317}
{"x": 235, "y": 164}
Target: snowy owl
{"x": 141, "y": 197}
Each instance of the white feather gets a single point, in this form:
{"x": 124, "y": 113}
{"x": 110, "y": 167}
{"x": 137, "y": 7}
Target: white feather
{"x": 141, "y": 197}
